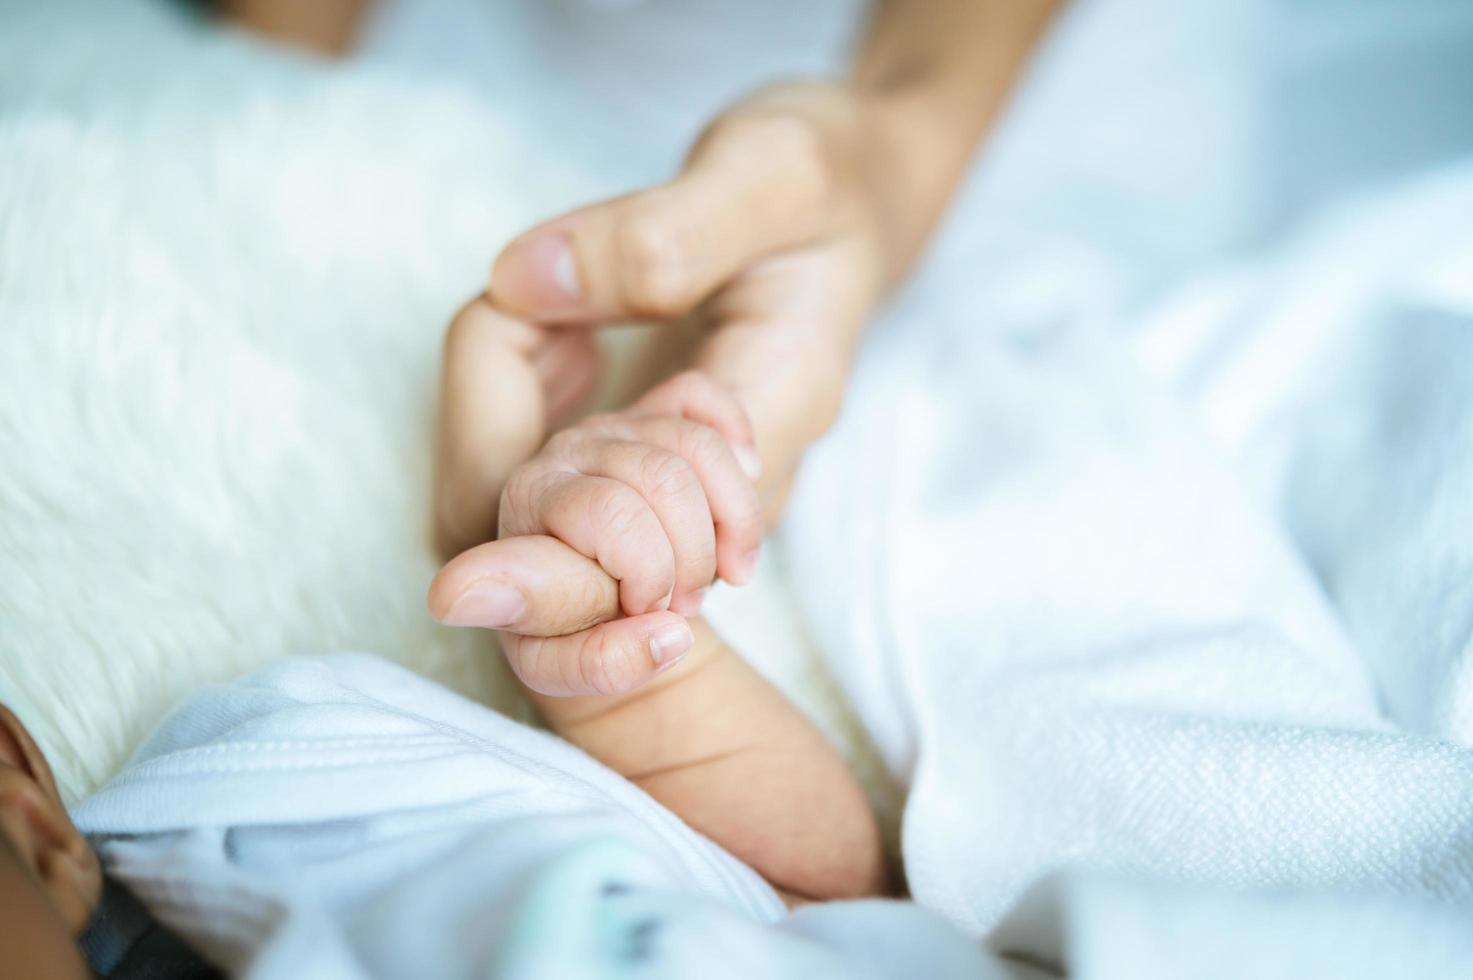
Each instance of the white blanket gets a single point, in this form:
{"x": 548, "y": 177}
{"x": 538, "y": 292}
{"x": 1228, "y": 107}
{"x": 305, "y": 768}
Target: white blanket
{"x": 1094, "y": 627}
{"x": 342, "y": 817}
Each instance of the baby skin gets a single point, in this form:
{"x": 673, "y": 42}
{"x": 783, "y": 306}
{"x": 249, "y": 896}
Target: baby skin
{"x": 609, "y": 537}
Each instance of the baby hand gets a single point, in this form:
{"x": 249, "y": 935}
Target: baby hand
{"x": 656, "y": 494}
{"x": 635, "y": 512}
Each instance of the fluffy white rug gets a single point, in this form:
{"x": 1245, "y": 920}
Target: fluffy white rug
{"x": 223, "y": 276}
{"x": 224, "y": 272}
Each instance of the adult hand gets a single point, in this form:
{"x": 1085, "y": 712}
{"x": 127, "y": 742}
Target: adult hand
{"x": 774, "y": 235}
{"x": 504, "y": 384}
{"x": 796, "y": 210}
{"x": 635, "y": 513}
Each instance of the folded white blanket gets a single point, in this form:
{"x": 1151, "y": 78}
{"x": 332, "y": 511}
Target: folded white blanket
{"x": 1080, "y": 633}
{"x": 342, "y": 817}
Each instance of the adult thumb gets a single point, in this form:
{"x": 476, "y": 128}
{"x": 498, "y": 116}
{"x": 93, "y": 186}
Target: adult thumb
{"x": 749, "y": 189}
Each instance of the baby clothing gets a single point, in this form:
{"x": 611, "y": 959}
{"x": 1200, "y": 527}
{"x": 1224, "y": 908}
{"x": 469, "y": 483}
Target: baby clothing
{"x": 342, "y": 817}
{"x": 123, "y": 941}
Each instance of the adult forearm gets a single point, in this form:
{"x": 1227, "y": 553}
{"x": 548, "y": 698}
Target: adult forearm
{"x": 934, "y": 76}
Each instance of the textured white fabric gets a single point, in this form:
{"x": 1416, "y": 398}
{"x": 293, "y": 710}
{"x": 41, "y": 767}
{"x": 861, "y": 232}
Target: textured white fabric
{"x": 1158, "y": 579}
{"x": 1099, "y": 928}
{"x": 1336, "y": 374}
{"x": 1094, "y": 626}
{"x": 341, "y": 817}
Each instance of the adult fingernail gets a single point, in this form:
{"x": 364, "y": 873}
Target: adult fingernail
{"x": 670, "y": 643}
{"x": 690, "y": 603}
{"x": 538, "y": 275}
{"x": 749, "y": 461}
{"x": 489, "y": 605}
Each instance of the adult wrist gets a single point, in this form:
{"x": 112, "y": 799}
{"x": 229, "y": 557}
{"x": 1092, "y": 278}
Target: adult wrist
{"x": 917, "y": 152}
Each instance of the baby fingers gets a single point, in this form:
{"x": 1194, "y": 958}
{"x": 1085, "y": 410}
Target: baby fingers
{"x": 699, "y": 397}
{"x": 604, "y": 519}
{"x": 729, "y": 496}
{"x": 659, "y": 496}
{"x": 682, "y": 480}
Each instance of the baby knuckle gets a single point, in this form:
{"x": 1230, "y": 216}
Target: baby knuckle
{"x": 615, "y": 513}
{"x": 695, "y": 443}
{"x": 571, "y": 670}
{"x": 700, "y": 441}
{"x": 603, "y": 666}
{"x": 524, "y": 656}
{"x": 518, "y": 502}
{"x": 665, "y": 475}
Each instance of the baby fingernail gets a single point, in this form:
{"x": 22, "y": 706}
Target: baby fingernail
{"x": 670, "y": 643}
{"x": 749, "y": 461}
{"x": 489, "y": 605}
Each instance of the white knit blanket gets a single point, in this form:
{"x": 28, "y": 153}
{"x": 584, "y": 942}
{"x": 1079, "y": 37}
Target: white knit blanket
{"x": 1203, "y": 661}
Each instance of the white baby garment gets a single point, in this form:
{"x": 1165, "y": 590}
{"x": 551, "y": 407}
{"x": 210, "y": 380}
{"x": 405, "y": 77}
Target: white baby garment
{"x": 343, "y": 817}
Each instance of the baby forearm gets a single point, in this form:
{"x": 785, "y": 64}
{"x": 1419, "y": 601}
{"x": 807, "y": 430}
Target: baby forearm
{"x": 732, "y": 757}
